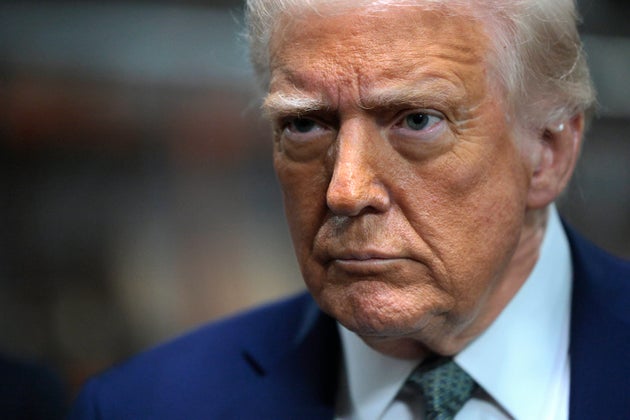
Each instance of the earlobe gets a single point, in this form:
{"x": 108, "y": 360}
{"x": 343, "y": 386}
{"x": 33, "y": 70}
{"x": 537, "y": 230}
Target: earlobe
{"x": 558, "y": 154}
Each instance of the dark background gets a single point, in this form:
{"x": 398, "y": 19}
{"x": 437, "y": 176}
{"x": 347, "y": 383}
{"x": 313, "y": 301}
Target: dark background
{"x": 138, "y": 198}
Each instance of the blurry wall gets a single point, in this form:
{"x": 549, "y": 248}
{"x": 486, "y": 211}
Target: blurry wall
{"x": 138, "y": 195}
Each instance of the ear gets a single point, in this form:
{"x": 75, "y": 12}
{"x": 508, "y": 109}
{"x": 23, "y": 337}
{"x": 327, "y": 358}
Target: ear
{"x": 555, "y": 161}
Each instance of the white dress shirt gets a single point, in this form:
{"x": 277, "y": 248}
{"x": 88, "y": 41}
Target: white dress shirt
{"x": 521, "y": 361}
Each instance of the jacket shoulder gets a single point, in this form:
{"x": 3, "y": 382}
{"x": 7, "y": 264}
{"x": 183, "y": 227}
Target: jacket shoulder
{"x": 600, "y": 332}
{"x": 600, "y": 278}
{"x": 181, "y": 376}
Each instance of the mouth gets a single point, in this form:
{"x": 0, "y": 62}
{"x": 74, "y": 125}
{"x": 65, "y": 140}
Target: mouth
{"x": 366, "y": 263}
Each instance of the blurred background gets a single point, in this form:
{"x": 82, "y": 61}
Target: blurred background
{"x": 138, "y": 199}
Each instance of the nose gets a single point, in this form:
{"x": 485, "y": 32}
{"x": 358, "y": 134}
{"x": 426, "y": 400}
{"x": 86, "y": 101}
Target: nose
{"x": 356, "y": 185}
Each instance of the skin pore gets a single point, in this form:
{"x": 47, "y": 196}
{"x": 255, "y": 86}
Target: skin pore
{"x": 414, "y": 214}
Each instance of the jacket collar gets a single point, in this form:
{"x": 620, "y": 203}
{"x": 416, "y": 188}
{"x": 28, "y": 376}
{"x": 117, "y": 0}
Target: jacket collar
{"x": 298, "y": 365}
{"x": 600, "y": 333}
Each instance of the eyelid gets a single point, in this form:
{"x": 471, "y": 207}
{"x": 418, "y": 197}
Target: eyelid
{"x": 401, "y": 116}
{"x": 288, "y": 119}
{"x": 318, "y": 120}
{"x": 287, "y": 131}
{"x": 433, "y": 134}
{"x": 426, "y": 111}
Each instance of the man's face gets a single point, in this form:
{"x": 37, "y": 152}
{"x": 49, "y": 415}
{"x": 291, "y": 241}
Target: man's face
{"x": 404, "y": 190}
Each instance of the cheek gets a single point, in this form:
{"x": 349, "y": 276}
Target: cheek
{"x": 468, "y": 208}
{"x": 482, "y": 175}
{"x": 304, "y": 188}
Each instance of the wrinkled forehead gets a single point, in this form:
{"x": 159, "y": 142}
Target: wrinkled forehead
{"x": 473, "y": 20}
{"x": 394, "y": 39}
{"x": 268, "y": 19}
{"x": 372, "y": 60}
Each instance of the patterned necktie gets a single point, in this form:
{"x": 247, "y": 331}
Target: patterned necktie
{"x": 445, "y": 388}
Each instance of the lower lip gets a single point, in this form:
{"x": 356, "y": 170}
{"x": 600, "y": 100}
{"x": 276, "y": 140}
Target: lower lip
{"x": 367, "y": 266}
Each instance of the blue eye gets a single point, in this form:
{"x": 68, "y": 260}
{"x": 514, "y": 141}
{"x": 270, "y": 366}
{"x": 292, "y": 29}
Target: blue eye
{"x": 419, "y": 125}
{"x": 302, "y": 125}
{"x": 418, "y": 121}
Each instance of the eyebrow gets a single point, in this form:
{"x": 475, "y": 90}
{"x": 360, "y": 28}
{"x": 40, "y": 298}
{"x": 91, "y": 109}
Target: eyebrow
{"x": 425, "y": 93}
{"x": 280, "y": 103}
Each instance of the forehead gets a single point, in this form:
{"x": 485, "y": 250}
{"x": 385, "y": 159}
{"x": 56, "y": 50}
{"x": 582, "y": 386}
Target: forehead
{"x": 371, "y": 48}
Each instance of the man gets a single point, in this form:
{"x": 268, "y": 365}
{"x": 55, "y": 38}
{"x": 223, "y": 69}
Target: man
{"x": 420, "y": 146}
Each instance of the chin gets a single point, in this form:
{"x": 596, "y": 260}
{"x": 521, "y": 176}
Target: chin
{"x": 372, "y": 309}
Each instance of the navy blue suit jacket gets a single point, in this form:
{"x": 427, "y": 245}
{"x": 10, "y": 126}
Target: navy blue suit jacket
{"x": 281, "y": 361}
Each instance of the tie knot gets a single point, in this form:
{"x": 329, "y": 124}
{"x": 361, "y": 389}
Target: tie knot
{"x": 445, "y": 388}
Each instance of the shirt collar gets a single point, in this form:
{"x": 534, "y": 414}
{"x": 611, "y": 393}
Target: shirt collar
{"x": 526, "y": 345}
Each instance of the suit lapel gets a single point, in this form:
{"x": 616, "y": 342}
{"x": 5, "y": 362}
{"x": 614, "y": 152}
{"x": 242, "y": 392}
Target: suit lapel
{"x": 297, "y": 368}
{"x": 600, "y": 333}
